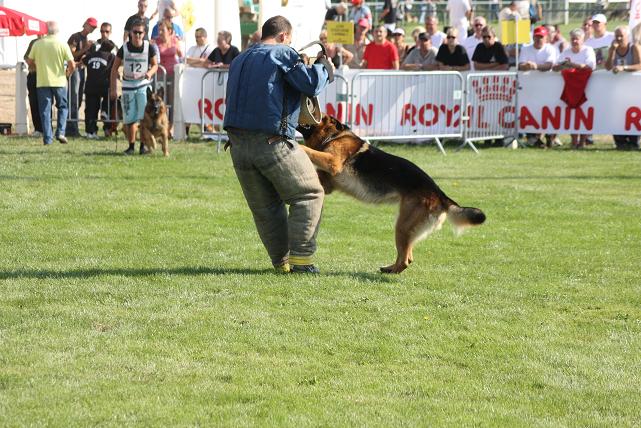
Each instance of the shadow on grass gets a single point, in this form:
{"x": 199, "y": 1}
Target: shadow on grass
{"x": 183, "y": 271}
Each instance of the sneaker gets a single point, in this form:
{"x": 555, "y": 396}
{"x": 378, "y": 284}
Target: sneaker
{"x": 92, "y": 136}
{"x": 62, "y": 139}
{"x": 129, "y": 151}
{"x": 36, "y": 134}
{"x": 143, "y": 151}
{"x": 284, "y": 268}
{"x": 532, "y": 140}
{"x": 304, "y": 269}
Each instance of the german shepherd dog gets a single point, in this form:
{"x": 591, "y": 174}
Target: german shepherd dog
{"x": 351, "y": 165}
{"x": 155, "y": 123}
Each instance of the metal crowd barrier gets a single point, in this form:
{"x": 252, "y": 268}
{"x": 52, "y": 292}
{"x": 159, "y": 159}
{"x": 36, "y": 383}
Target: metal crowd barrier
{"x": 490, "y": 107}
{"x": 413, "y": 105}
{"x": 208, "y": 126}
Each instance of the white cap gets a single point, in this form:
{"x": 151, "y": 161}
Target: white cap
{"x": 600, "y": 17}
{"x": 398, "y": 31}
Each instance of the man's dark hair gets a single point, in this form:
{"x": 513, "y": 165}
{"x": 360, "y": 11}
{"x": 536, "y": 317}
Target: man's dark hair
{"x": 202, "y": 30}
{"x": 138, "y": 23}
{"x": 107, "y": 46}
{"x": 276, "y": 25}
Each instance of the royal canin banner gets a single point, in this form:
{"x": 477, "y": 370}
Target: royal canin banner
{"x": 381, "y": 108}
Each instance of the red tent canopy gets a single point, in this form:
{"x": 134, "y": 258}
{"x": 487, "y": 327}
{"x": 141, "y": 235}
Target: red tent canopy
{"x": 14, "y": 23}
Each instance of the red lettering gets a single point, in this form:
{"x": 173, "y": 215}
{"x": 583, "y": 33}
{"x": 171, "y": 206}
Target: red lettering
{"x": 219, "y": 102}
{"x": 367, "y": 116}
{"x": 207, "y": 110}
{"x": 503, "y": 121}
{"x": 479, "y": 118}
{"x": 423, "y": 110}
{"x": 568, "y": 116}
{"x": 409, "y": 114}
{"x": 633, "y": 117}
{"x": 527, "y": 119}
{"x": 337, "y": 113}
{"x": 549, "y": 119}
{"x": 581, "y": 118}
{"x": 449, "y": 115}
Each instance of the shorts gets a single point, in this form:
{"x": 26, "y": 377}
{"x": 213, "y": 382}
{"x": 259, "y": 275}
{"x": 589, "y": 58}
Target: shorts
{"x": 133, "y": 104}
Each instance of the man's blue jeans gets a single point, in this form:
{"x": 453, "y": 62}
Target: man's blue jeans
{"x": 46, "y": 96}
{"x": 76, "y": 89}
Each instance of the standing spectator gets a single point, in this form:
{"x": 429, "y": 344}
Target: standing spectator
{"x": 170, "y": 52}
{"x": 452, "y": 56}
{"x": 541, "y": 56}
{"x": 490, "y": 55}
{"x": 601, "y": 39}
{"x": 336, "y": 54}
{"x": 624, "y": 56}
{"x": 398, "y": 38}
{"x": 79, "y": 48}
{"x": 337, "y": 13}
{"x": 388, "y": 15}
{"x": 587, "y": 28}
{"x": 32, "y": 89}
{"x": 105, "y": 33}
{"x": 224, "y": 53}
{"x": 494, "y": 10}
{"x": 360, "y": 11}
{"x": 271, "y": 168}
{"x": 360, "y": 43}
{"x": 423, "y": 58}
{"x": 197, "y": 55}
{"x": 460, "y": 12}
{"x": 139, "y": 60}
{"x": 48, "y": 56}
{"x": 137, "y": 17}
{"x": 99, "y": 65}
{"x": 162, "y": 6}
{"x": 470, "y": 43}
{"x": 381, "y": 53}
{"x": 431, "y": 28}
{"x": 415, "y": 32}
{"x": 556, "y": 39}
{"x": 428, "y": 8}
{"x": 167, "y": 20}
{"x": 510, "y": 12}
{"x": 577, "y": 56}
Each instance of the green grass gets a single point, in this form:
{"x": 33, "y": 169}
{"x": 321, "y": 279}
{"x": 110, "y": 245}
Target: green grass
{"x": 135, "y": 291}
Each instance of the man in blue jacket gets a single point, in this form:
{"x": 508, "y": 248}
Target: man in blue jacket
{"x": 261, "y": 114}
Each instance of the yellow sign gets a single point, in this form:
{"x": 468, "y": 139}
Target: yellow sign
{"x": 508, "y": 32}
{"x": 340, "y": 32}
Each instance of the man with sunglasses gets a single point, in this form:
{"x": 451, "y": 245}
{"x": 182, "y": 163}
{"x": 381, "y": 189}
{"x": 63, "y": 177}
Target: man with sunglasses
{"x": 105, "y": 33}
{"x": 490, "y": 55}
{"x": 139, "y": 60}
{"x": 470, "y": 43}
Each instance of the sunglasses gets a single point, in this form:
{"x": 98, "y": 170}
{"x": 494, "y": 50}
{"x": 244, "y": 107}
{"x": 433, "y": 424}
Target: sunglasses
{"x": 478, "y": 25}
{"x": 487, "y": 37}
{"x": 138, "y": 33}
{"x": 105, "y": 31}
{"x": 451, "y": 37}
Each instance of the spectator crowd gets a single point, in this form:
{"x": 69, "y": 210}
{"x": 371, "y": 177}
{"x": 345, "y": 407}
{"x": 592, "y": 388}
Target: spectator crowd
{"x": 83, "y": 68}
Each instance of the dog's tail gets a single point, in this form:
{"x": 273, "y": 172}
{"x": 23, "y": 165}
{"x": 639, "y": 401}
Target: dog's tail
{"x": 464, "y": 217}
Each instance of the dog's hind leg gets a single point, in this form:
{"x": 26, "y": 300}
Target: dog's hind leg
{"x": 410, "y": 216}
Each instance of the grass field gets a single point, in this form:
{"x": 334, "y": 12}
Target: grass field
{"x": 135, "y": 291}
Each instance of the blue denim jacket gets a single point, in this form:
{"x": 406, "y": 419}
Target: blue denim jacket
{"x": 260, "y": 79}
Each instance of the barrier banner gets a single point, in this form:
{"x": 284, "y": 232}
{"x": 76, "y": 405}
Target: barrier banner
{"x": 396, "y": 106}
{"x": 613, "y": 104}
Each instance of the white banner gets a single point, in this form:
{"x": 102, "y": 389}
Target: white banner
{"x": 384, "y": 109}
{"x": 635, "y": 13}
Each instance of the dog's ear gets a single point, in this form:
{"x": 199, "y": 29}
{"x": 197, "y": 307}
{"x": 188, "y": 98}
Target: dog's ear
{"x": 337, "y": 124}
{"x": 161, "y": 92}
{"x": 150, "y": 92}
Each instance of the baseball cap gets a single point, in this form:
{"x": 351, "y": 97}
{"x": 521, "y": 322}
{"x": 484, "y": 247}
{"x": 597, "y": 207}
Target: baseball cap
{"x": 92, "y": 21}
{"x": 363, "y": 22}
{"x": 398, "y": 31}
{"x": 541, "y": 31}
{"x": 600, "y": 17}
{"x": 357, "y": 2}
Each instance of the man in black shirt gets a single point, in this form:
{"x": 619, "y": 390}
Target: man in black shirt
{"x": 490, "y": 55}
{"x": 79, "y": 46}
{"x": 139, "y": 16}
{"x": 224, "y": 53}
{"x": 96, "y": 89}
{"x": 388, "y": 15}
{"x": 337, "y": 13}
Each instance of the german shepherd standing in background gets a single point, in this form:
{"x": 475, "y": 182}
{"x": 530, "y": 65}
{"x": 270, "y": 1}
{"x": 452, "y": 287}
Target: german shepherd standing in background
{"x": 155, "y": 123}
{"x": 349, "y": 164}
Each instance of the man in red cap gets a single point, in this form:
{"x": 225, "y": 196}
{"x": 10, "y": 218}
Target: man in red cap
{"x": 541, "y": 56}
{"x": 360, "y": 11}
{"x": 79, "y": 48}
